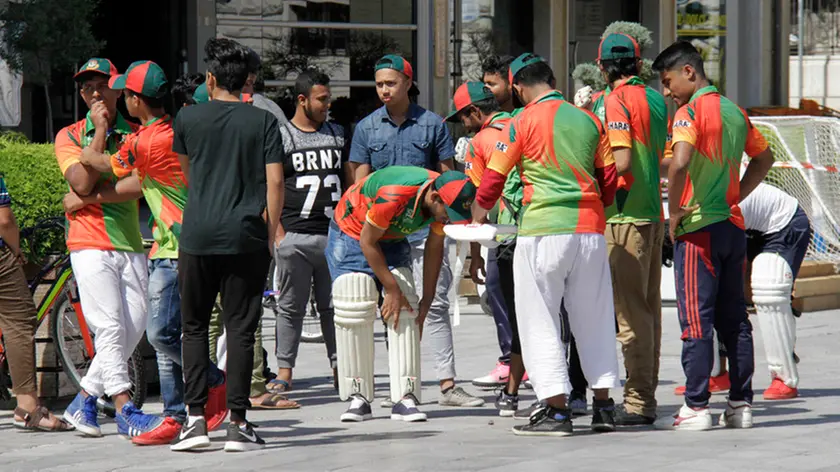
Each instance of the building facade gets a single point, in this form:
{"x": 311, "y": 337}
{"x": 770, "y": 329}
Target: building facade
{"x": 745, "y": 42}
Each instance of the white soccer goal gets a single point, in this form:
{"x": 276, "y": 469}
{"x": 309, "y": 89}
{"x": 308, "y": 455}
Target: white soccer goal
{"x": 807, "y": 152}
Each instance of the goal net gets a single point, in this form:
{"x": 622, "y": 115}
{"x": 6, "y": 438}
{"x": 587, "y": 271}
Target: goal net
{"x": 807, "y": 152}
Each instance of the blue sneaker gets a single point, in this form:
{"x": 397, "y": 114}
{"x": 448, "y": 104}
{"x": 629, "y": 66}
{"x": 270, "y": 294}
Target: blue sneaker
{"x": 131, "y": 421}
{"x": 81, "y": 413}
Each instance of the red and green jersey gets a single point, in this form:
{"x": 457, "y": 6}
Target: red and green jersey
{"x": 557, "y": 148}
{"x": 720, "y": 133}
{"x": 106, "y": 226}
{"x": 388, "y": 199}
{"x": 478, "y": 155}
{"x": 149, "y": 150}
{"x": 599, "y": 104}
{"x": 637, "y": 119}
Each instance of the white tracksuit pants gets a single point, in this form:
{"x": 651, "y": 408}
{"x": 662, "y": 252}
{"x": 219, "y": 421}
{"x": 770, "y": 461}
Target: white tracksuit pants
{"x": 545, "y": 269}
{"x": 113, "y": 290}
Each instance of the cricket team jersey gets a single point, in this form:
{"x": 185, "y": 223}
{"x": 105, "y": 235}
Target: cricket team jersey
{"x": 637, "y": 119}
{"x": 478, "y": 155}
{"x": 558, "y": 149}
{"x": 106, "y": 226}
{"x": 388, "y": 199}
{"x": 149, "y": 150}
{"x": 312, "y": 163}
{"x": 720, "y": 133}
{"x": 599, "y": 104}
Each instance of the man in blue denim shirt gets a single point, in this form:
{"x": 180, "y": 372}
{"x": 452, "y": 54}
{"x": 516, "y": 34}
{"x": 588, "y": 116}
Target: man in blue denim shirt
{"x": 402, "y": 133}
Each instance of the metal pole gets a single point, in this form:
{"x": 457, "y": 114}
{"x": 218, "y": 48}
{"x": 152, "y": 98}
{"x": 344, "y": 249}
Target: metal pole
{"x": 801, "y": 49}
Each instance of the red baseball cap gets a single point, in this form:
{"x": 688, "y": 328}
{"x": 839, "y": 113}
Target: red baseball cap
{"x": 457, "y": 192}
{"x": 142, "y": 77}
{"x": 96, "y": 65}
{"x": 467, "y": 94}
{"x": 618, "y": 46}
{"x": 398, "y": 63}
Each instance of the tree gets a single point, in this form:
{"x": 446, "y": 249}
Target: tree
{"x": 40, "y": 37}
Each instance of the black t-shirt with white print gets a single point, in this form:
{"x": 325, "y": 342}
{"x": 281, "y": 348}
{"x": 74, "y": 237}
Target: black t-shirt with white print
{"x": 312, "y": 166}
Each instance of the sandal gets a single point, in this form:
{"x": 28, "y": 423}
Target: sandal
{"x": 34, "y": 421}
{"x": 273, "y": 401}
{"x": 277, "y": 386}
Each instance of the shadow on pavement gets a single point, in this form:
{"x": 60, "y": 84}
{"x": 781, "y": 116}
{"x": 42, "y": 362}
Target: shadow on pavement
{"x": 821, "y": 419}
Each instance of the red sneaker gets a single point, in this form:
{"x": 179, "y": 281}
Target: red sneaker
{"x": 163, "y": 434}
{"x": 216, "y": 409}
{"x": 717, "y": 384}
{"x": 779, "y": 391}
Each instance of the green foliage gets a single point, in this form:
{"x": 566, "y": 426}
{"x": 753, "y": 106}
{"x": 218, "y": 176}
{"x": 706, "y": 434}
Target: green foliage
{"x": 39, "y": 36}
{"x": 36, "y": 187}
{"x": 589, "y": 75}
{"x": 13, "y": 136}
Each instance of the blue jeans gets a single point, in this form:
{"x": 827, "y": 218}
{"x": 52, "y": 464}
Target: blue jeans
{"x": 344, "y": 254}
{"x": 164, "y": 333}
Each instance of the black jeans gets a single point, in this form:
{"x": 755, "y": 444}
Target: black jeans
{"x": 240, "y": 278}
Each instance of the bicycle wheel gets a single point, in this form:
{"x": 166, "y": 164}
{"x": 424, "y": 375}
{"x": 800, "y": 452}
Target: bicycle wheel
{"x": 74, "y": 356}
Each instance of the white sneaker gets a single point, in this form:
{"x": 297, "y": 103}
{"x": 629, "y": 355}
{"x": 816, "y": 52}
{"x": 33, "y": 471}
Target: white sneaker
{"x": 686, "y": 419}
{"x": 738, "y": 414}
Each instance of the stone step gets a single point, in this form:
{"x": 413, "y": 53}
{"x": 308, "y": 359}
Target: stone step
{"x": 816, "y": 269}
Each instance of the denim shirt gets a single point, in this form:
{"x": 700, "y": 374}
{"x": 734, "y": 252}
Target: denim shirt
{"x": 422, "y": 140}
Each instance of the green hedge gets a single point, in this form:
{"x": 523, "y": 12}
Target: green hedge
{"x": 35, "y": 184}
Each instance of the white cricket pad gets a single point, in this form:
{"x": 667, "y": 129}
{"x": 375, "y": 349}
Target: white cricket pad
{"x": 772, "y": 282}
{"x": 354, "y": 300}
{"x": 404, "y": 342}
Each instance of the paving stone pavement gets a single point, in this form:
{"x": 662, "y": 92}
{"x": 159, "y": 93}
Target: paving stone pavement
{"x": 800, "y": 434}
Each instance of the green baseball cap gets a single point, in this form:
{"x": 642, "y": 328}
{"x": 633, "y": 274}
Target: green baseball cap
{"x": 142, "y": 77}
{"x": 201, "y": 95}
{"x": 618, "y": 46}
{"x": 398, "y": 63}
{"x": 458, "y": 192}
{"x": 521, "y": 62}
{"x": 467, "y": 94}
{"x": 95, "y": 65}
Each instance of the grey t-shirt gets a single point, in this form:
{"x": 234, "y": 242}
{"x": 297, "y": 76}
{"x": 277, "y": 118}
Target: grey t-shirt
{"x": 264, "y": 103}
{"x": 312, "y": 163}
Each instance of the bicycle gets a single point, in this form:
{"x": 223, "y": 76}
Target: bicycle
{"x": 68, "y": 328}
{"x": 312, "y": 319}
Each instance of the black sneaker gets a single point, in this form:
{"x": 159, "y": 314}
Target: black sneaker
{"x": 603, "y": 416}
{"x": 192, "y": 436}
{"x": 359, "y": 410}
{"x": 241, "y": 439}
{"x": 406, "y": 410}
{"x": 526, "y": 413}
{"x": 547, "y": 421}
{"x": 507, "y": 404}
{"x": 624, "y": 418}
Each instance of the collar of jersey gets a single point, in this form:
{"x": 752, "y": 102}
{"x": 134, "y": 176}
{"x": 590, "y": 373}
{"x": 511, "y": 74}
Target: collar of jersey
{"x": 120, "y": 127}
{"x": 703, "y": 91}
{"x": 629, "y": 81}
{"x": 417, "y": 198}
{"x": 159, "y": 119}
{"x": 550, "y": 95}
{"x": 499, "y": 115}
